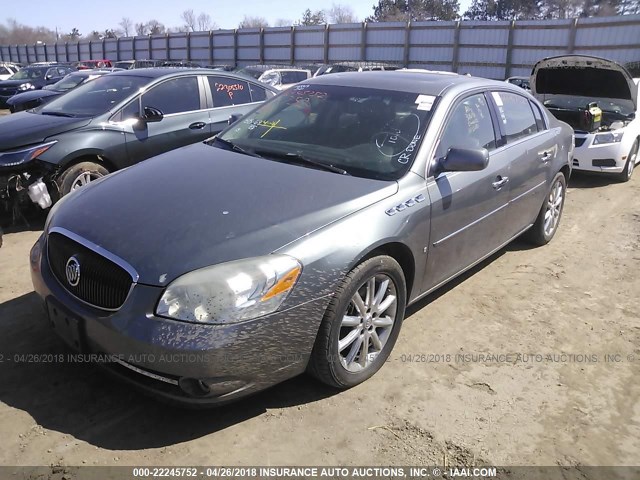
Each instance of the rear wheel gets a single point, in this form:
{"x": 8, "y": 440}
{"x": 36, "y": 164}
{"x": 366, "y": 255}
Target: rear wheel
{"x": 548, "y": 219}
{"x": 79, "y": 175}
{"x": 625, "y": 175}
{"x": 361, "y": 324}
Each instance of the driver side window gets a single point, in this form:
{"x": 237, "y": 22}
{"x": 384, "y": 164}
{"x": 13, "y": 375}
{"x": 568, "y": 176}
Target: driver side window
{"x": 469, "y": 126}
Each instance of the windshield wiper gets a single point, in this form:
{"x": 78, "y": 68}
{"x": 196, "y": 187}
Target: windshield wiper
{"x": 235, "y": 147}
{"x": 300, "y": 158}
{"x": 58, "y": 114}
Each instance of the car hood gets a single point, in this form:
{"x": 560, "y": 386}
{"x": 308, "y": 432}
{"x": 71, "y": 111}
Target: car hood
{"x": 200, "y": 205}
{"x": 32, "y": 95}
{"x": 583, "y": 76}
{"x": 26, "y": 128}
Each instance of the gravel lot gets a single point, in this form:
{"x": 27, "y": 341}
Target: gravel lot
{"x": 428, "y": 405}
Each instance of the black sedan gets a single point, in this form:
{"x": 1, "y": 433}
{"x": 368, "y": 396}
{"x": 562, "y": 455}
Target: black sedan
{"x": 33, "y": 98}
{"x": 31, "y": 78}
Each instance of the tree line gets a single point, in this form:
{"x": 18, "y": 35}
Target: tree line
{"x": 14, "y": 33}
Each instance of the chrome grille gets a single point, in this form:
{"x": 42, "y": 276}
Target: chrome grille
{"x": 102, "y": 283}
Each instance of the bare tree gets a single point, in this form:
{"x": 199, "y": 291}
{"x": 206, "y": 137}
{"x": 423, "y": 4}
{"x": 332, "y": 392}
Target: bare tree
{"x": 204, "y": 22}
{"x": 189, "y": 19}
{"x": 154, "y": 27}
{"x": 283, "y": 22}
{"x": 341, "y": 14}
{"x": 14, "y": 33}
{"x": 141, "y": 28}
{"x": 253, "y": 22}
{"x": 127, "y": 26}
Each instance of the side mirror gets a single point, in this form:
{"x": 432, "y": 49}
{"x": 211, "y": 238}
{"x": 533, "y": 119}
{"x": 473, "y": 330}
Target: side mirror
{"x": 152, "y": 114}
{"x": 233, "y": 118}
{"x": 464, "y": 160}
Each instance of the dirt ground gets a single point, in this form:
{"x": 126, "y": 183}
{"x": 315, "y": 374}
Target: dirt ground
{"x": 562, "y": 308}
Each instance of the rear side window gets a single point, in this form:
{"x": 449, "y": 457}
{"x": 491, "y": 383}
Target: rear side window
{"x": 516, "y": 115}
{"x": 229, "y": 91}
{"x": 468, "y": 126}
{"x": 258, "y": 94}
{"x": 174, "y": 96}
{"x": 538, "y": 116}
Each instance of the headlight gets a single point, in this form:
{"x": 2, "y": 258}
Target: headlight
{"x": 231, "y": 292}
{"x": 26, "y": 86}
{"x": 18, "y": 157}
{"x": 609, "y": 137}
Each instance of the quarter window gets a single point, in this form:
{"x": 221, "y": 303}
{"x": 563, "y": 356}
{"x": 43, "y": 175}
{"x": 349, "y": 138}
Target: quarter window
{"x": 469, "y": 126}
{"x": 258, "y": 94}
{"x": 229, "y": 91}
{"x": 174, "y": 96}
{"x": 516, "y": 115}
{"x": 538, "y": 115}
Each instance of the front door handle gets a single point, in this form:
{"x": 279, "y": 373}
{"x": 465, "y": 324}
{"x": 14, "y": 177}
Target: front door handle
{"x": 197, "y": 126}
{"x": 545, "y": 156}
{"x": 501, "y": 182}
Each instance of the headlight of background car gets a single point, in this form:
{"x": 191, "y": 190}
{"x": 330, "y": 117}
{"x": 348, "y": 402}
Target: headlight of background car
{"x": 609, "y": 137}
{"x": 231, "y": 292}
{"x": 18, "y": 157}
{"x": 26, "y": 86}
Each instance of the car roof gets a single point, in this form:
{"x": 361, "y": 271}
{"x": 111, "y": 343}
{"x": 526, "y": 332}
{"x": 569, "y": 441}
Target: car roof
{"x": 429, "y": 83}
{"x": 159, "y": 72}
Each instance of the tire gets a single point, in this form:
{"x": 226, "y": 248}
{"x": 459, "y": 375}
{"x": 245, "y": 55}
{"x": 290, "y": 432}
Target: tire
{"x": 625, "y": 175}
{"x": 541, "y": 233}
{"x": 74, "y": 176}
{"x": 348, "y": 367}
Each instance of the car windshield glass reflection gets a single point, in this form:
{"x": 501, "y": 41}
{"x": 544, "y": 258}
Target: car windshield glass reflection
{"x": 28, "y": 73}
{"x": 367, "y": 132}
{"x": 95, "y": 97}
{"x": 68, "y": 82}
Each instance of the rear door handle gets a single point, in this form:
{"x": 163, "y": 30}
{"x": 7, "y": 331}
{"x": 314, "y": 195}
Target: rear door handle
{"x": 197, "y": 125}
{"x": 546, "y": 155}
{"x": 498, "y": 184}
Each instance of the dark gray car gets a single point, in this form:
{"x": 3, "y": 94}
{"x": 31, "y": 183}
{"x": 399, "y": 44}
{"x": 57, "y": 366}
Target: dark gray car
{"x": 113, "y": 122}
{"x": 295, "y": 239}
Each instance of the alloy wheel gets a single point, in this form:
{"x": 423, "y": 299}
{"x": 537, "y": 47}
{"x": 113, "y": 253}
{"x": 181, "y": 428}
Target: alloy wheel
{"x": 554, "y": 209}
{"x": 367, "y": 323}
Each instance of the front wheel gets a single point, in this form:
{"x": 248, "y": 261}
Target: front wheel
{"x": 625, "y": 175}
{"x": 79, "y": 175}
{"x": 548, "y": 219}
{"x": 361, "y": 324}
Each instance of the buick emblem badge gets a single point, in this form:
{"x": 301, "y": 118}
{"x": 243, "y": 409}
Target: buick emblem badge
{"x": 73, "y": 271}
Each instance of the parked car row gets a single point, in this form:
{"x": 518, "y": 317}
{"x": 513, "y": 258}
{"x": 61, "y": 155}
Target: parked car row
{"x": 293, "y": 238}
{"x": 113, "y": 121}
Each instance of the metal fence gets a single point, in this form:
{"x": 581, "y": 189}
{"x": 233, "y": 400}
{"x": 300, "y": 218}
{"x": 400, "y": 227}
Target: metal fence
{"x": 496, "y": 49}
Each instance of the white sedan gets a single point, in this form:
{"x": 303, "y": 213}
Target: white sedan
{"x": 599, "y": 99}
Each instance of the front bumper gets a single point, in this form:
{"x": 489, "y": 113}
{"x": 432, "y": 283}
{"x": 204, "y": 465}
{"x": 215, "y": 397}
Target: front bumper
{"x": 607, "y": 158}
{"x": 181, "y": 362}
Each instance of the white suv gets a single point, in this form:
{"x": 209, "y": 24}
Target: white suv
{"x": 7, "y": 70}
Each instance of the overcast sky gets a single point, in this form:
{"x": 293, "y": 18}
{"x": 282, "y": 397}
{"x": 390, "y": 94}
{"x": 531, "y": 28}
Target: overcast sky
{"x": 89, "y": 15}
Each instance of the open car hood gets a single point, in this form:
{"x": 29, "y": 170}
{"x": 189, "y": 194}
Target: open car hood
{"x": 584, "y": 76}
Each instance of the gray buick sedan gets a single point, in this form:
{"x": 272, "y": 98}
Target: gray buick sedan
{"x": 294, "y": 240}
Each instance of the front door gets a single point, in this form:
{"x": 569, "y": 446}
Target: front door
{"x": 468, "y": 209}
{"x": 185, "y": 119}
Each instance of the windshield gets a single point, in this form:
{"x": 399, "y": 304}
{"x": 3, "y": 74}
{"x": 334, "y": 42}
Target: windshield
{"x": 96, "y": 97}
{"x": 29, "y": 73}
{"x": 68, "y": 82}
{"x": 366, "y": 132}
{"x": 570, "y": 102}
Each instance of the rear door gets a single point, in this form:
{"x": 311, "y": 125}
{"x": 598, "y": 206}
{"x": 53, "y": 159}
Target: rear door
{"x": 185, "y": 118}
{"x": 531, "y": 146}
{"x": 231, "y": 96}
{"x": 468, "y": 208}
